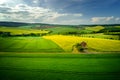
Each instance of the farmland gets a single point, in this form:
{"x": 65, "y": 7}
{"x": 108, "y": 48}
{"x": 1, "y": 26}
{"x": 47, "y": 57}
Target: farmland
{"x": 63, "y": 30}
{"x": 19, "y": 31}
{"x": 28, "y": 44}
{"x": 96, "y": 44}
{"x": 56, "y": 43}
{"x": 101, "y": 35}
{"x": 26, "y": 66}
{"x": 89, "y": 32}
{"x": 50, "y": 56}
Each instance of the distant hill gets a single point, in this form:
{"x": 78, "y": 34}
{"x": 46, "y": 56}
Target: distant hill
{"x": 62, "y": 29}
{"x": 13, "y": 24}
{"x": 18, "y": 24}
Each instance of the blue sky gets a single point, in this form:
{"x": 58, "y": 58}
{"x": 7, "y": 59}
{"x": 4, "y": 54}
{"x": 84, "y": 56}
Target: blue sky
{"x": 61, "y": 11}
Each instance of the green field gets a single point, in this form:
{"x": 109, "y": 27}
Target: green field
{"x": 19, "y": 31}
{"x": 50, "y": 57}
{"x": 56, "y": 43}
{"x": 63, "y": 30}
{"x": 101, "y": 35}
{"x": 25, "y": 66}
{"x": 28, "y": 44}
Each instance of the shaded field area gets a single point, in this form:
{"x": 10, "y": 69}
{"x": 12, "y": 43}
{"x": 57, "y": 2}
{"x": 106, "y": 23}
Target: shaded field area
{"x": 26, "y": 66}
{"x": 28, "y": 44}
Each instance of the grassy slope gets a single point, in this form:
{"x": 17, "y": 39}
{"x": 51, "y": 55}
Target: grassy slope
{"x": 66, "y": 42}
{"x": 74, "y": 29}
{"x": 101, "y": 35}
{"x": 96, "y": 28}
{"x": 29, "y": 44}
{"x": 62, "y": 30}
{"x": 14, "y": 30}
{"x": 57, "y": 30}
{"x": 59, "y": 66}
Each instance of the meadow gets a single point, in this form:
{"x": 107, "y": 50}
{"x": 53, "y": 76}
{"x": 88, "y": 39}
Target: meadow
{"x": 28, "y": 44}
{"x": 89, "y": 32}
{"x": 62, "y": 30}
{"x": 101, "y": 35}
{"x": 56, "y": 43}
{"x": 50, "y": 57}
{"x": 26, "y": 66}
{"x": 20, "y": 31}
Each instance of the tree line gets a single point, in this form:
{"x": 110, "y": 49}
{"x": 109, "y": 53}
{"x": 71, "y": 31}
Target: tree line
{"x": 8, "y": 34}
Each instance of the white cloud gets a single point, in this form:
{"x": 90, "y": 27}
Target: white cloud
{"x": 75, "y": 21}
{"x": 54, "y": 16}
{"x": 11, "y": 2}
{"x": 99, "y": 19}
{"x": 3, "y": 1}
{"x": 117, "y": 19}
{"x": 35, "y": 1}
{"x": 78, "y": 14}
{"x": 109, "y": 18}
{"x": 25, "y": 13}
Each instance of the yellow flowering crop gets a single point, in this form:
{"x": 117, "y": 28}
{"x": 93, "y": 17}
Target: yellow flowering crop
{"x": 66, "y": 42}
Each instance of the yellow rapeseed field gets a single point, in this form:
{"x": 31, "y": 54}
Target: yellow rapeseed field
{"x": 97, "y": 44}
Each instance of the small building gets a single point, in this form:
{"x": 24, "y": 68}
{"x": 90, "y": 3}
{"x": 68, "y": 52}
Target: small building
{"x": 83, "y": 44}
{"x": 80, "y": 47}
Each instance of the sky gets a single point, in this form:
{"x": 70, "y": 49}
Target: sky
{"x": 72, "y": 12}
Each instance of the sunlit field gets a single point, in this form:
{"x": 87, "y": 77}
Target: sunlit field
{"x": 56, "y": 43}
{"x": 28, "y": 44}
{"x": 50, "y": 57}
{"x": 26, "y": 66}
{"x": 59, "y": 39}
{"x": 101, "y": 35}
{"x": 96, "y": 44}
{"x": 19, "y": 31}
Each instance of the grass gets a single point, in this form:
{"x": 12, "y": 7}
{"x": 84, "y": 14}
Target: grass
{"x": 28, "y": 44}
{"x": 62, "y": 30}
{"x": 65, "y": 29}
{"x": 96, "y": 28}
{"x": 16, "y": 31}
{"x": 94, "y": 44}
{"x": 101, "y": 35}
{"x": 25, "y": 66}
